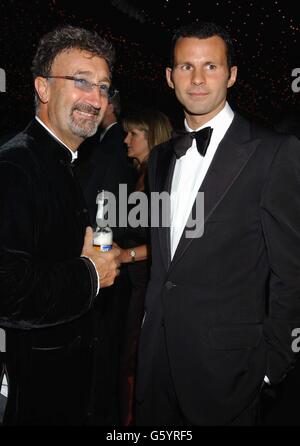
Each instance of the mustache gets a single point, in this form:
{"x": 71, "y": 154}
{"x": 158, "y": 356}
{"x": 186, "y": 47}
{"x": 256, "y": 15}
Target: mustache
{"x": 87, "y": 108}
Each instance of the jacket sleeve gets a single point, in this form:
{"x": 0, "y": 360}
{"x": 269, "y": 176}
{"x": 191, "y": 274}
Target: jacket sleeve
{"x": 280, "y": 208}
{"x": 35, "y": 293}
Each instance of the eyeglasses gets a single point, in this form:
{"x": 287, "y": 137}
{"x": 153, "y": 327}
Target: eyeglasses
{"x": 87, "y": 86}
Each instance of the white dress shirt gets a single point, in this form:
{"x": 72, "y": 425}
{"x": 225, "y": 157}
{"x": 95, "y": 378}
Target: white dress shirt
{"x": 190, "y": 171}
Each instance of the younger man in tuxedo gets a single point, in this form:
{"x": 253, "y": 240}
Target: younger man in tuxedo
{"x": 220, "y": 308}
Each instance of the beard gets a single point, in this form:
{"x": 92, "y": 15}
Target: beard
{"x": 84, "y": 127}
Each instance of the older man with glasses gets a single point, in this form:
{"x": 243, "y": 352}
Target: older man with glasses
{"x": 50, "y": 275}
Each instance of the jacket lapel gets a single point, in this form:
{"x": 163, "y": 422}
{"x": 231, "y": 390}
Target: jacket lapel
{"x": 231, "y": 157}
{"x": 48, "y": 144}
{"x": 166, "y": 164}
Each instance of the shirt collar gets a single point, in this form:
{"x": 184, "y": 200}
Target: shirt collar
{"x": 74, "y": 154}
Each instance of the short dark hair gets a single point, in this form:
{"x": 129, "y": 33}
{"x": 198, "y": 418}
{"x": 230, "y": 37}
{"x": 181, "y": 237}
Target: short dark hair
{"x": 116, "y": 102}
{"x": 204, "y": 30}
{"x": 65, "y": 38}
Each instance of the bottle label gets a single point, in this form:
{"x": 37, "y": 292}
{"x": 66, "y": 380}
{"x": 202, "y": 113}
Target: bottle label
{"x": 105, "y": 248}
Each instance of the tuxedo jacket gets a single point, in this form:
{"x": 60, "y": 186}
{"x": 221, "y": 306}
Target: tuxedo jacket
{"x": 229, "y": 299}
{"x": 47, "y": 290}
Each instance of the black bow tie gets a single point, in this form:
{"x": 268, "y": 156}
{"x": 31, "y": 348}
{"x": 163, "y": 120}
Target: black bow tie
{"x": 183, "y": 140}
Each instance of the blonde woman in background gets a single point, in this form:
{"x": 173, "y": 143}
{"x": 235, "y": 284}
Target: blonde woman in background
{"x": 145, "y": 129}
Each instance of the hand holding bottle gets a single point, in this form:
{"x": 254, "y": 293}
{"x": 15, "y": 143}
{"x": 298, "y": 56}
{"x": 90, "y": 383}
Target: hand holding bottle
{"x": 106, "y": 263}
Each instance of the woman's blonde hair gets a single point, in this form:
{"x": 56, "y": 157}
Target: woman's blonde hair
{"x": 154, "y": 123}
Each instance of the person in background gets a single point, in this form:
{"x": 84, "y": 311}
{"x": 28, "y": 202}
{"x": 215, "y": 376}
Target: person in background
{"x": 146, "y": 128}
{"x": 50, "y": 274}
{"x": 103, "y": 165}
{"x": 279, "y": 405}
{"x": 224, "y": 293}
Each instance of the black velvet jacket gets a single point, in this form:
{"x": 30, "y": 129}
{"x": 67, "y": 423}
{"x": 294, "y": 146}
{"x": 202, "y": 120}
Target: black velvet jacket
{"x": 43, "y": 280}
{"x": 46, "y": 288}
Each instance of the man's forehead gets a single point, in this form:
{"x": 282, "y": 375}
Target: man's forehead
{"x": 77, "y": 52}
{"x": 75, "y": 57}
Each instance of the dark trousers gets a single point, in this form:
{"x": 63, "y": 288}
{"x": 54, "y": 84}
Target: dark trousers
{"x": 110, "y": 311}
{"x": 160, "y": 406}
{"x": 3, "y": 402}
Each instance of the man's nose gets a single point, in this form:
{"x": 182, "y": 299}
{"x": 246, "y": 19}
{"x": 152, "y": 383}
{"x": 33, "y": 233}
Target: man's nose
{"x": 198, "y": 77}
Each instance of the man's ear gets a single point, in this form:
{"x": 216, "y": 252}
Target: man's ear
{"x": 169, "y": 77}
{"x": 233, "y": 76}
{"x": 42, "y": 88}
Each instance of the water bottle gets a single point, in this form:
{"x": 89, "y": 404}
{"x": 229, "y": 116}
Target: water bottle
{"x": 103, "y": 239}
{"x": 100, "y": 200}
